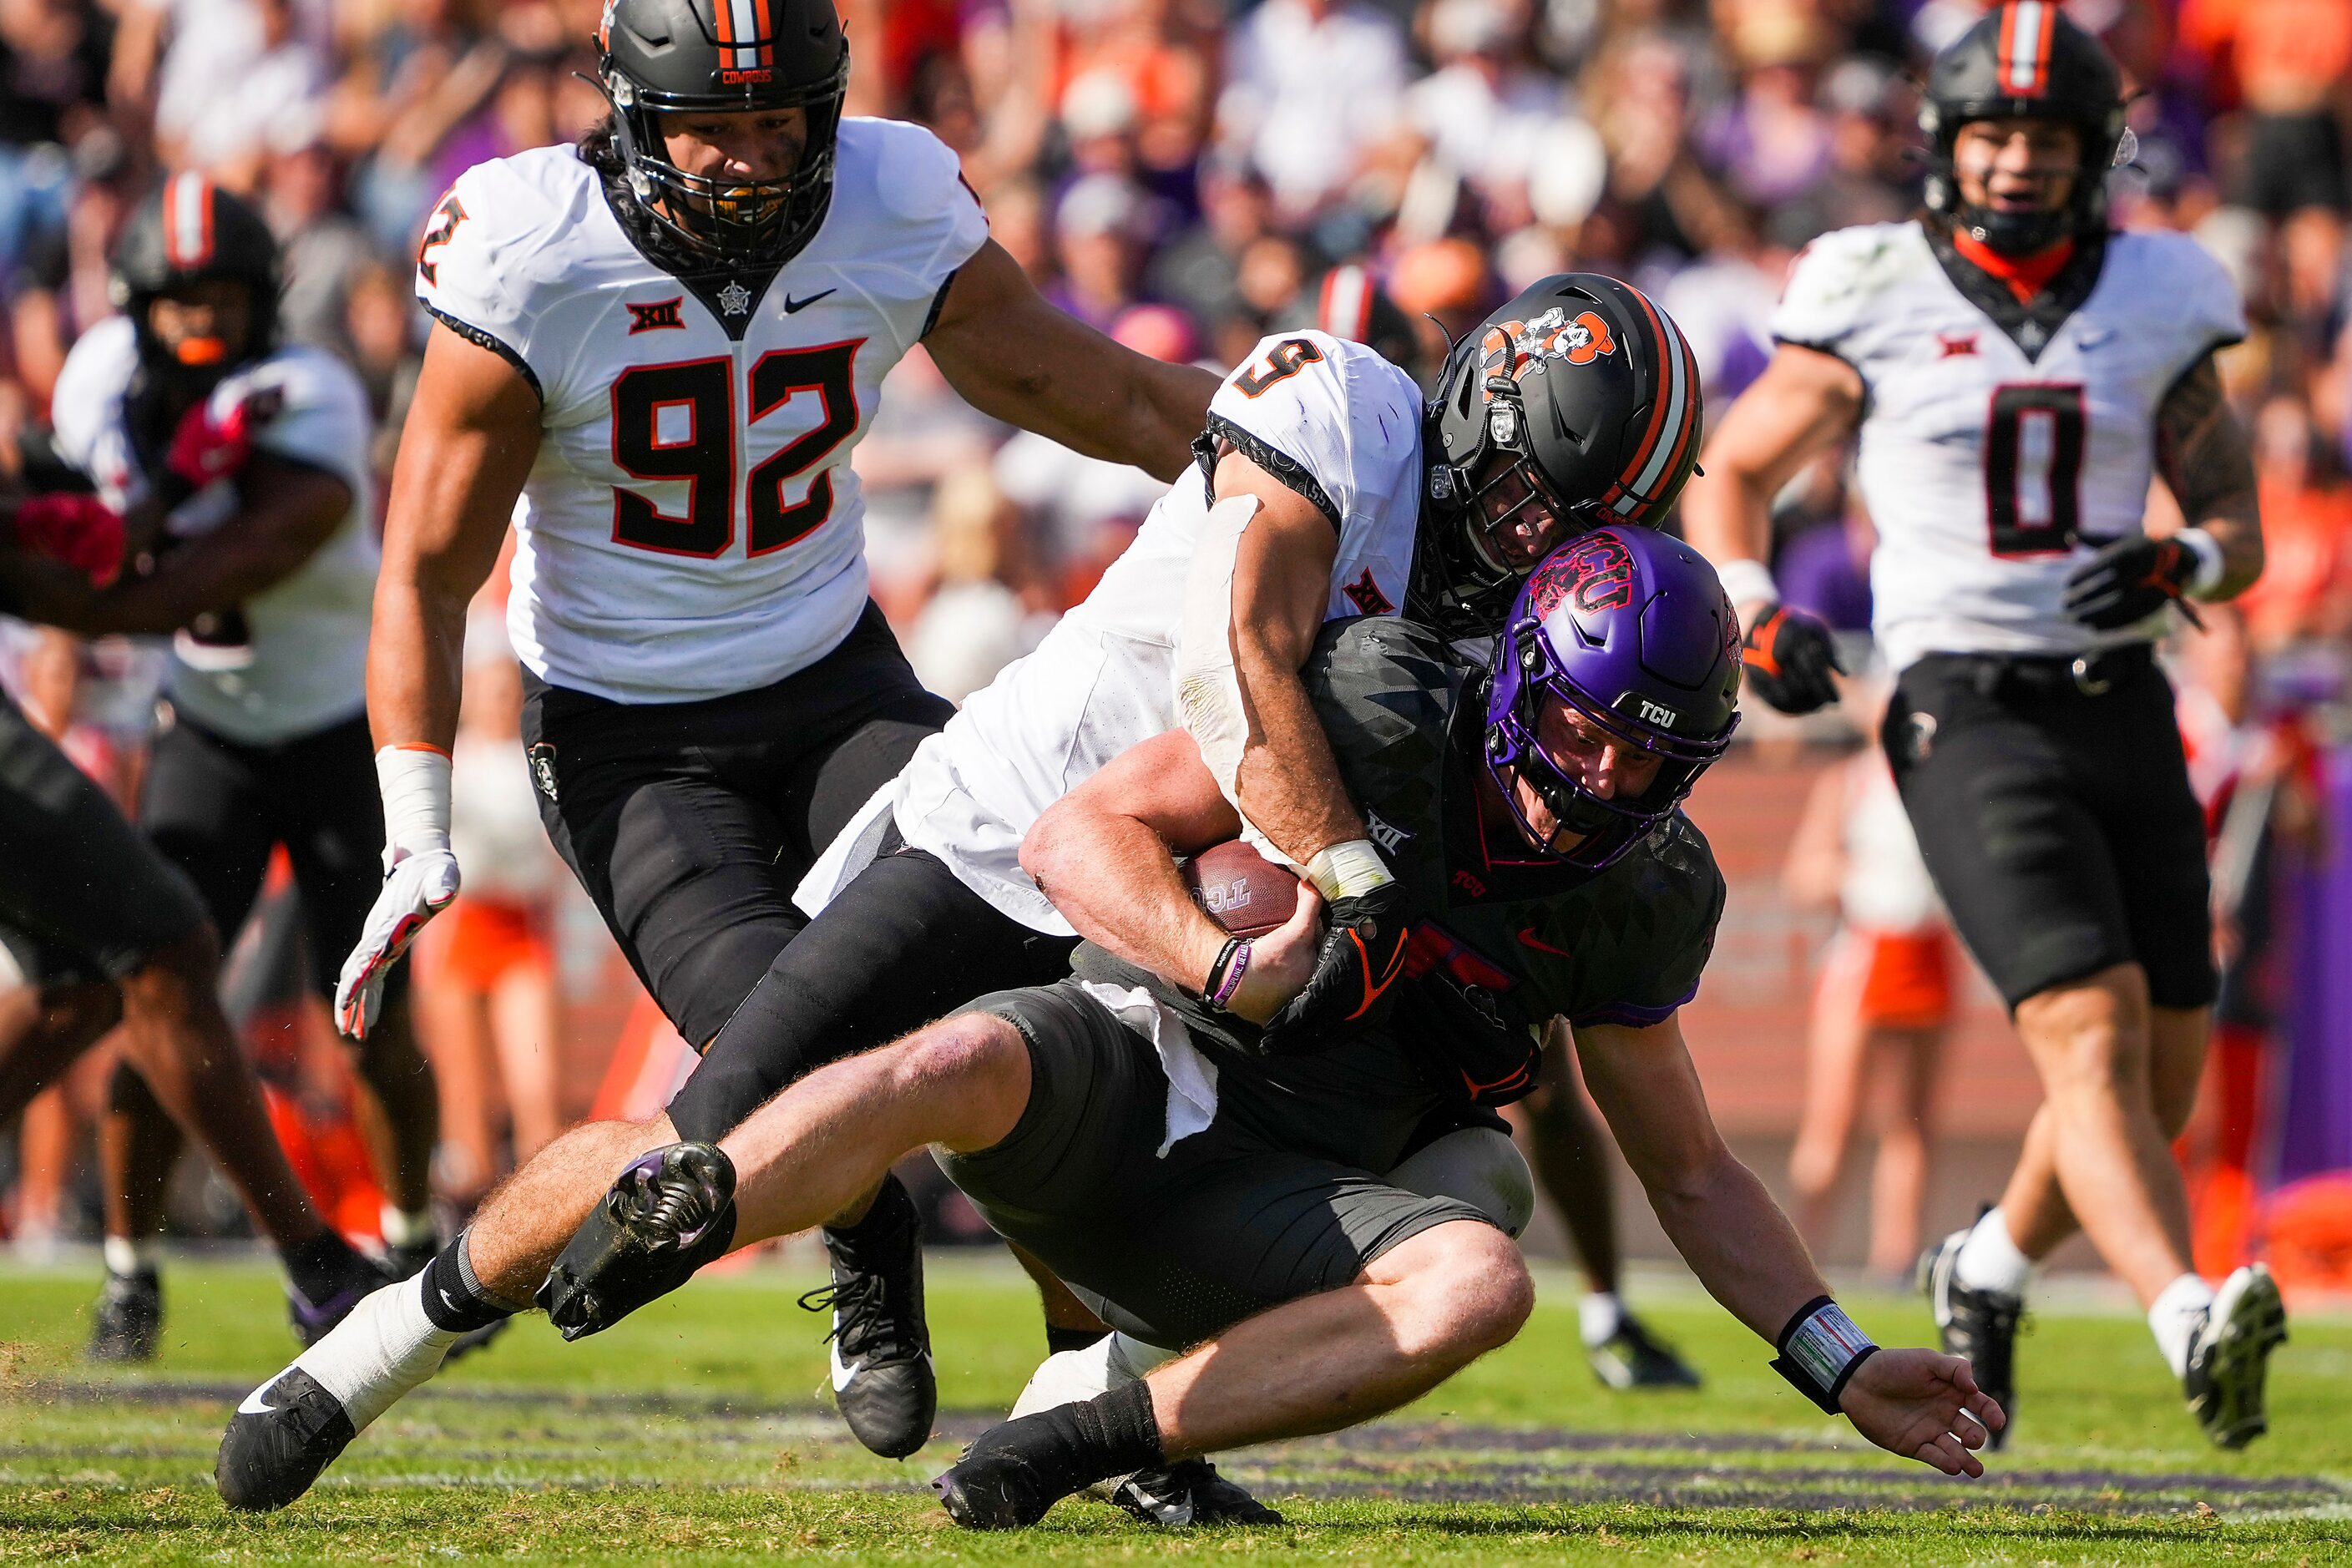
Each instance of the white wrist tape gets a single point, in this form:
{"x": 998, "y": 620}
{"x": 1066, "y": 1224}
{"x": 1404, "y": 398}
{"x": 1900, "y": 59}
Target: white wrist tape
{"x": 414, "y": 783}
{"x": 2210, "y": 566}
{"x": 1747, "y": 582}
{"x": 1345, "y": 870}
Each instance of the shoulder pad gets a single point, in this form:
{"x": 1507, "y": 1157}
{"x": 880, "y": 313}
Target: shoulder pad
{"x": 1833, "y": 280}
{"x": 1329, "y": 417}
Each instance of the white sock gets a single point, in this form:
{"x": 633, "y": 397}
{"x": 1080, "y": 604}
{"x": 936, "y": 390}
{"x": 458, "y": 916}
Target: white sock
{"x": 2176, "y": 1316}
{"x": 124, "y": 1256}
{"x": 1599, "y": 1316}
{"x": 387, "y": 1347}
{"x": 1067, "y": 1378}
{"x": 401, "y": 1229}
{"x": 1989, "y": 1260}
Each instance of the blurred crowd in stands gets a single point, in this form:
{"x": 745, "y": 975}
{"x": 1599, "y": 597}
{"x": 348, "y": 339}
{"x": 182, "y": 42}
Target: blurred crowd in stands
{"x": 1183, "y": 173}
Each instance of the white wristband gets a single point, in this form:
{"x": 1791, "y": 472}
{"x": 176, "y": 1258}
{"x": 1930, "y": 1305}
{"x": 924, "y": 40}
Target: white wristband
{"x": 414, "y": 783}
{"x": 2210, "y": 566}
{"x": 1746, "y": 582}
{"x": 1344, "y": 870}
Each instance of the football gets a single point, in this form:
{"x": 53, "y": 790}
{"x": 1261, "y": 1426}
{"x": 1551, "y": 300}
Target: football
{"x": 1242, "y": 890}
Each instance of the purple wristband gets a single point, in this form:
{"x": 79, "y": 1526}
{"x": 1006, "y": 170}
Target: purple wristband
{"x": 1232, "y": 966}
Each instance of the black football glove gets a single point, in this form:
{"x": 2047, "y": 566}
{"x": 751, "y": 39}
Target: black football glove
{"x": 1360, "y": 956}
{"x": 1789, "y": 656}
{"x": 2128, "y": 581}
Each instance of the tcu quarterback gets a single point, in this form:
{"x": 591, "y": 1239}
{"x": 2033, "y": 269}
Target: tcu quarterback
{"x": 2015, "y": 374}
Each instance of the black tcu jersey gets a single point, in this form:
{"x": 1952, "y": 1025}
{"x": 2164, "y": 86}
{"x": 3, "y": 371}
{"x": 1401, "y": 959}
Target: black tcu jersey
{"x": 1505, "y": 940}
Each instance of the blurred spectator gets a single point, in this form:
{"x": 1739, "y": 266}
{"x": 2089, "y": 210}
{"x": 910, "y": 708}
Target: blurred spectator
{"x": 2305, "y": 588}
{"x": 325, "y": 249}
{"x": 1100, "y": 228}
{"x": 233, "y": 71}
{"x": 975, "y": 624}
{"x": 53, "y": 59}
{"x": 1310, "y": 86}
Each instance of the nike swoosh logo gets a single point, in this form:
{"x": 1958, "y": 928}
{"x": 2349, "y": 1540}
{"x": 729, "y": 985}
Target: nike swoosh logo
{"x": 792, "y": 305}
{"x": 1528, "y": 938}
{"x": 844, "y": 1376}
{"x": 452, "y": 1302}
{"x": 254, "y": 1404}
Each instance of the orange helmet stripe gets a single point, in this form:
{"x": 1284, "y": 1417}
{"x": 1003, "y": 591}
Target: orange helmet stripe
{"x": 188, "y": 221}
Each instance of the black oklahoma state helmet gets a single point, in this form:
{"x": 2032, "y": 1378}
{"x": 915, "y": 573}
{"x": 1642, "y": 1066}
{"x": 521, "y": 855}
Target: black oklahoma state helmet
{"x": 718, "y": 56}
{"x": 1590, "y": 394}
{"x": 2025, "y": 61}
{"x": 192, "y": 231}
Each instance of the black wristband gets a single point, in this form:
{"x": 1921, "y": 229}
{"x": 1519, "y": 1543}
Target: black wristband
{"x": 1217, "y": 981}
{"x": 1832, "y": 1345}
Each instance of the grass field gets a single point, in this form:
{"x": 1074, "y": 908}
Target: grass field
{"x": 696, "y": 1432}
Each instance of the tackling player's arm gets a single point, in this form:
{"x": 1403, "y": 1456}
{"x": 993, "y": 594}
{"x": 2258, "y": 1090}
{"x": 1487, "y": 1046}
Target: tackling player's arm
{"x": 1016, "y": 358}
{"x": 1748, "y": 1255}
{"x": 286, "y": 511}
{"x": 1287, "y": 781}
{"x": 1804, "y": 403}
{"x": 2217, "y": 554}
{"x": 1103, "y": 854}
{"x": 472, "y": 433}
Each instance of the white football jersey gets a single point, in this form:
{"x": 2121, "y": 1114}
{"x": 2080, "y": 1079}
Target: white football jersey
{"x": 692, "y": 526}
{"x": 1331, "y": 419}
{"x": 307, "y": 668}
{"x": 1991, "y": 466}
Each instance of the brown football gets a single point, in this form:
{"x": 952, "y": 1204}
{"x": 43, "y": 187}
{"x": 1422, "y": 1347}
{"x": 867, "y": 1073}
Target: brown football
{"x": 1242, "y": 890}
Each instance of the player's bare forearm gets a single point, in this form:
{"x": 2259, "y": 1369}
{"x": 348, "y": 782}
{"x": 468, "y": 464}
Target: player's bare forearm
{"x": 1016, "y": 358}
{"x": 472, "y": 434}
{"x": 1714, "y": 1210}
{"x": 2202, "y": 452}
{"x": 1287, "y": 781}
{"x": 1102, "y": 852}
{"x": 288, "y": 510}
{"x": 1804, "y": 402}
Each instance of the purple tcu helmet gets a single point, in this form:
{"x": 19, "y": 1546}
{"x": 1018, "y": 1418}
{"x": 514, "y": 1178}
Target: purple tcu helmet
{"x": 1630, "y": 628}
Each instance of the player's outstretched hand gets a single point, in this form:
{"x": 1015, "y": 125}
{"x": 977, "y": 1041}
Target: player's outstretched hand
{"x": 2128, "y": 581}
{"x": 1282, "y": 961}
{"x": 1923, "y": 1405}
{"x": 1789, "y": 657}
{"x": 417, "y": 889}
{"x": 1359, "y": 956}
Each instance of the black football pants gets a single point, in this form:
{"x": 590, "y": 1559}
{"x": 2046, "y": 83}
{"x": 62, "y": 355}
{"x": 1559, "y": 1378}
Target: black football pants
{"x": 903, "y": 944}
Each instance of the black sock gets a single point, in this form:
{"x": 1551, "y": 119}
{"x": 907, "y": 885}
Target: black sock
{"x": 1075, "y": 1445}
{"x": 324, "y": 1266}
{"x": 1059, "y": 1340}
{"x": 454, "y": 1297}
{"x": 886, "y": 1221}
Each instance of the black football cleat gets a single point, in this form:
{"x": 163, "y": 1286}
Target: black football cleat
{"x": 1189, "y": 1492}
{"x": 128, "y": 1319}
{"x": 883, "y": 1378}
{"x": 2230, "y": 1357}
{"x": 672, "y": 1211}
{"x": 408, "y": 1261}
{"x": 1978, "y": 1325}
{"x": 1632, "y": 1357}
{"x": 355, "y": 1280}
{"x": 283, "y": 1436}
{"x": 993, "y": 1487}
